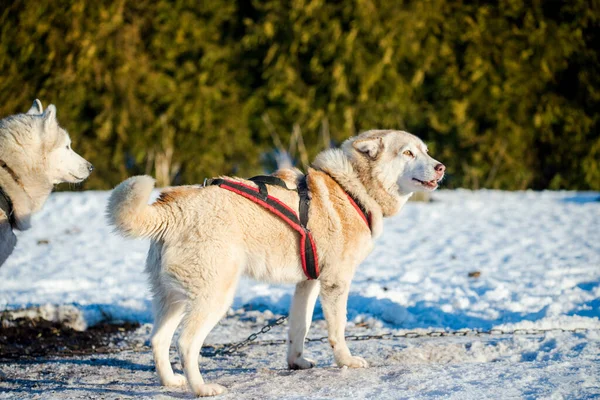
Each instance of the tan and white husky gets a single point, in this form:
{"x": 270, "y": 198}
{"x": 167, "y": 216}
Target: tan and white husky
{"x": 205, "y": 238}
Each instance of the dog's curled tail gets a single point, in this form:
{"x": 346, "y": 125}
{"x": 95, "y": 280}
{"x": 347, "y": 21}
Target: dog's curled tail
{"x": 128, "y": 209}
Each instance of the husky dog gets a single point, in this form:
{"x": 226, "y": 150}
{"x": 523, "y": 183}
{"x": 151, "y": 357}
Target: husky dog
{"x": 205, "y": 238}
{"x": 35, "y": 155}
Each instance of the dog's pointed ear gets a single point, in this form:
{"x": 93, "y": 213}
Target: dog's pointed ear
{"x": 49, "y": 120}
{"x": 50, "y": 114}
{"x": 36, "y": 108}
{"x": 371, "y": 147}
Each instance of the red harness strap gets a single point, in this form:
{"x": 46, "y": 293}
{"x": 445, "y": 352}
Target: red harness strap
{"x": 366, "y": 216}
{"x": 308, "y": 250}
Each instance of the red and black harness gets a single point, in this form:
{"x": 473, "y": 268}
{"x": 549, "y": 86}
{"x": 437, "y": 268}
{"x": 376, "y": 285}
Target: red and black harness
{"x": 260, "y": 196}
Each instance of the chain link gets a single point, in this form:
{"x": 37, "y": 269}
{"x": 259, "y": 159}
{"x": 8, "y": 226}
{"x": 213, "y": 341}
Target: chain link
{"x": 230, "y": 348}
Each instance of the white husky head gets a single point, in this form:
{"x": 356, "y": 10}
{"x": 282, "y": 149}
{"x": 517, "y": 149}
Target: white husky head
{"x": 61, "y": 163}
{"x": 398, "y": 158}
{"x": 35, "y": 155}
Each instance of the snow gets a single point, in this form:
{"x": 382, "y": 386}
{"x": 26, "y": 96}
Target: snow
{"x": 538, "y": 255}
{"x": 554, "y": 366}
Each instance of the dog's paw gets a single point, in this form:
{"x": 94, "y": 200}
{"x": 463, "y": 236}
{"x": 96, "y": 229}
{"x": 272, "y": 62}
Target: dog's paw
{"x": 301, "y": 363}
{"x": 353, "y": 362}
{"x": 176, "y": 380}
{"x": 209, "y": 389}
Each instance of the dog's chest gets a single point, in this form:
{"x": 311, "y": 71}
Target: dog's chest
{"x": 276, "y": 267}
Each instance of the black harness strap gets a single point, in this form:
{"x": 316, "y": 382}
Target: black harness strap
{"x": 311, "y": 253}
{"x": 269, "y": 180}
{"x": 304, "y": 201}
{"x": 10, "y": 212}
{"x": 260, "y": 196}
{"x": 263, "y": 180}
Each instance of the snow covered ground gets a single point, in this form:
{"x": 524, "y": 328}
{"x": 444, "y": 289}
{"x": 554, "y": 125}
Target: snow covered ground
{"x": 554, "y": 366}
{"x": 538, "y": 255}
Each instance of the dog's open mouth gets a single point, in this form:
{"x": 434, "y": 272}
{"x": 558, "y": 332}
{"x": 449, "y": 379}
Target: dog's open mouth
{"x": 432, "y": 184}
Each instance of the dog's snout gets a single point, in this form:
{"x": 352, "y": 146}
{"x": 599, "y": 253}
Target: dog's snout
{"x": 90, "y": 167}
{"x": 440, "y": 168}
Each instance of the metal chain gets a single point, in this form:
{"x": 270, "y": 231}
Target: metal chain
{"x": 230, "y": 348}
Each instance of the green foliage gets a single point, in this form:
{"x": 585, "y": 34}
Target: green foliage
{"x": 507, "y": 94}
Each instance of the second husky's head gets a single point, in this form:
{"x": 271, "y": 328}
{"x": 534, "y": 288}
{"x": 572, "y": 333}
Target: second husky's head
{"x": 41, "y": 147}
{"x": 396, "y": 158}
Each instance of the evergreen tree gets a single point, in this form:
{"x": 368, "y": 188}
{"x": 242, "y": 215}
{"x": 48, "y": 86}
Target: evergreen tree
{"x": 507, "y": 93}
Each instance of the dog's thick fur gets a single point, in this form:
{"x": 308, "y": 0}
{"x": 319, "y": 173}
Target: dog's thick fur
{"x": 204, "y": 239}
{"x": 35, "y": 155}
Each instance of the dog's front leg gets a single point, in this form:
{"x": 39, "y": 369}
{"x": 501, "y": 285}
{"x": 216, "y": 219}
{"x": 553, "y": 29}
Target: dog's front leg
{"x": 301, "y": 314}
{"x": 334, "y": 299}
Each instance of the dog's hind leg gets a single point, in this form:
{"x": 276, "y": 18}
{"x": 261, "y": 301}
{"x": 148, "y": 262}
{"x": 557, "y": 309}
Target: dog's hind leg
{"x": 334, "y": 299}
{"x": 203, "y": 313}
{"x": 168, "y": 312}
{"x": 300, "y": 318}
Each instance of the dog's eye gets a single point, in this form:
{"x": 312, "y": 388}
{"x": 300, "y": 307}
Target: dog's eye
{"x": 67, "y": 147}
{"x": 408, "y": 153}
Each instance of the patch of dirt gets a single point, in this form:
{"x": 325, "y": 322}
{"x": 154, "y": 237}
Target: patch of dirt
{"x": 24, "y": 337}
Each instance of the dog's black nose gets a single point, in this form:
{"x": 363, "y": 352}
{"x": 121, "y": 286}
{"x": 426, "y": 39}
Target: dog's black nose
{"x": 90, "y": 167}
{"x": 440, "y": 168}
